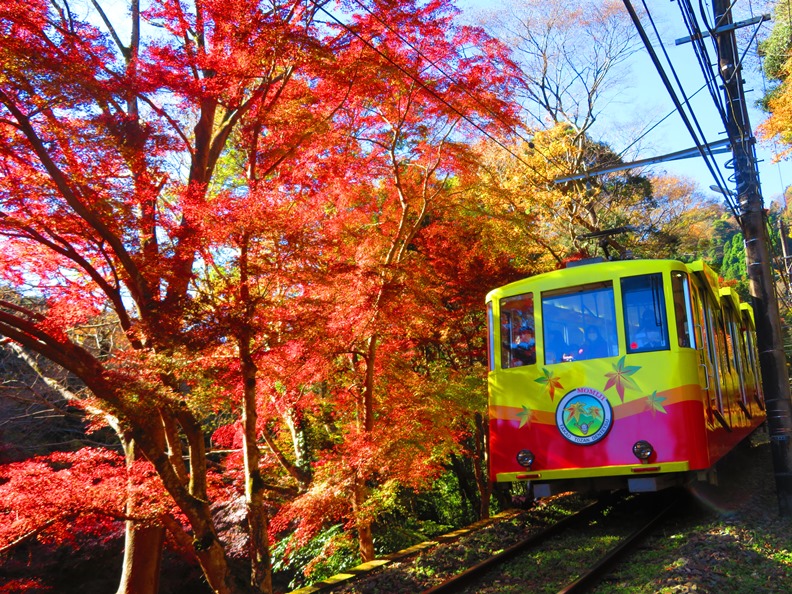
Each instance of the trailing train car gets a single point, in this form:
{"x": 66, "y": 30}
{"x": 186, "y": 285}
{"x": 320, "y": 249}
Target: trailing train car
{"x": 638, "y": 373}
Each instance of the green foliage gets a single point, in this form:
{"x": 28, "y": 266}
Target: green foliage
{"x": 414, "y": 517}
{"x": 328, "y": 553}
{"x": 408, "y": 518}
{"x": 724, "y": 230}
{"x": 733, "y": 267}
{"x": 775, "y": 49}
{"x": 444, "y": 504}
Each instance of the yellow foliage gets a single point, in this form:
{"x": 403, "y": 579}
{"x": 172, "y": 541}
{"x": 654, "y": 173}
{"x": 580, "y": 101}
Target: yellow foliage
{"x": 543, "y": 222}
{"x": 779, "y": 123}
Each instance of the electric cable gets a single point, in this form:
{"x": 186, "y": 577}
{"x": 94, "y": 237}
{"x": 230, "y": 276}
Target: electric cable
{"x": 463, "y": 87}
{"x": 729, "y": 101}
{"x": 643, "y": 134}
{"x": 703, "y": 150}
{"x": 693, "y": 29}
{"x": 702, "y": 55}
{"x": 466, "y": 91}
{"x": 424, "y": 86}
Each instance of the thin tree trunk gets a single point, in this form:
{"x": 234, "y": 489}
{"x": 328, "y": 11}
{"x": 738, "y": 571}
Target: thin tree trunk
{"x": 365, "y": 534}
{"x": 258, "y": 545}
{"x": 481, "y": 465}
{"x": 466, "y": 492}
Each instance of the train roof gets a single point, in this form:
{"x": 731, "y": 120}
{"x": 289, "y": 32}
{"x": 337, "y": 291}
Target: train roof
{"x": 748, "y": 313}
{"x": 588, "y": 273}
{"x": 730, "y": 295}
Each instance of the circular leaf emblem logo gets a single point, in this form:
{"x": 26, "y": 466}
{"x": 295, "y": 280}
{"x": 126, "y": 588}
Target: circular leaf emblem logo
{"x": 584, "y": 416}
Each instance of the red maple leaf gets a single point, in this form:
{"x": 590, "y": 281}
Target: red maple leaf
{"x": 620, "y": 378}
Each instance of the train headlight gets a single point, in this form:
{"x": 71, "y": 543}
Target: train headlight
{"x": 525, "y": 458}
{"x": 643, "y": 450}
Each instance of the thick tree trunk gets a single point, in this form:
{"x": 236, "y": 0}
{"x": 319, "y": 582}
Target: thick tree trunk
{"x": 142, "y": 558}
{"x": 215, "y": 568}
{"x": 140, "y": 572}
{"x": 191, "y": 500}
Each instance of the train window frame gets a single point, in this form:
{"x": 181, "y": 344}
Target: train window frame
{"x": 517, "y": 342}
{"x": 563, "y": 350}
{"x": 738, "y": 351}
{"x": 642, "y": 332}
{"x": 711, "y": 311}
{"x": 683, "y": 309}
{"x": 753, "y": 361}
{"x": 490, "y": 336}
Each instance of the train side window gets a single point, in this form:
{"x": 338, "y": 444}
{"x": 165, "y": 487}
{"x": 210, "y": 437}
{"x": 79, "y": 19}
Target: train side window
{"x": 683, "y": 312}
{"x": 738, "y": 351}
{"x": 753, "y": 362}
{"x": 518, "y": 342}
{"x": 644, "y": 313}
{"x": 579, "y": 323}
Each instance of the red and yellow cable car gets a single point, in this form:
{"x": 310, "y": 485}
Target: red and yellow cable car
{"x": 636, "y": 373}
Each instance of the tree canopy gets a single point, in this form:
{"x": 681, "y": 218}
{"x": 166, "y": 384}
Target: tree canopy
{"x": 253, "y": 240}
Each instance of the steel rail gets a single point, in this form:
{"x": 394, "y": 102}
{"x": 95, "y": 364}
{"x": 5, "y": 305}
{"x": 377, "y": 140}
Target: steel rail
{"x": 475, "y": 572}
{"x": 581, "y": 583}
{"x": 596, "y": 571}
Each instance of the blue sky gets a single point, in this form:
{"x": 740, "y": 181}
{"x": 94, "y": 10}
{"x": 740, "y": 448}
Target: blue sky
{"x": 645, "y": 100}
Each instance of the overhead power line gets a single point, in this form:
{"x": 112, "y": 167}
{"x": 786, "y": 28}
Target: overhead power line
{"x": 494, "y": 114}
{"x": 691, "y": 123}
{"x": 423, "y": 85}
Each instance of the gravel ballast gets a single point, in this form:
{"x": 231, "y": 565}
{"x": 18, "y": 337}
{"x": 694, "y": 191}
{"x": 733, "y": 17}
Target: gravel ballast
{"x": 730, "y": 539}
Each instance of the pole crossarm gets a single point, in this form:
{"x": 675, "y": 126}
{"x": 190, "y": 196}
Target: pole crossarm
{"x": 723, "y": 29}
{"x": 719, "y": 146}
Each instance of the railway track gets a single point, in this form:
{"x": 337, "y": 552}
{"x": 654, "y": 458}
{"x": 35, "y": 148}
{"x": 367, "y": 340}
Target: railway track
{"x": 616, "y": 516}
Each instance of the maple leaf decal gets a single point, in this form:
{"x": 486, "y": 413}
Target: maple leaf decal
{"x": 525, "y": 416}
{"x": 551, "y": 382}
{"x": 575, "y": 410}
{"x": 655, "y": 403}
{"x": 620, "y": 377}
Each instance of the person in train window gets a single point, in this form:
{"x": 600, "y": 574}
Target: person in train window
{"x": 594, "y": 345}
{"x": 555, "y": 348}
{"x": 524, "y": 350}
{"x": 649, "y": 335}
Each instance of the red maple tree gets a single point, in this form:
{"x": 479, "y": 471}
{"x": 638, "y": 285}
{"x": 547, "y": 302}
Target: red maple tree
{"x": 231, "y": 172}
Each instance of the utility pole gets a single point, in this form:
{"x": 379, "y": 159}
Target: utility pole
{"x": 772, "y": 361}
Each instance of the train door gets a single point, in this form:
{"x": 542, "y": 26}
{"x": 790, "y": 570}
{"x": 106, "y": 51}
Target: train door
{"x": 684, "y": 319}
{"x": 754, "y": 384}
{"x": 714, "y": 321}
{"x": 490, "y": 337}
{"x": 709, "y": 368}
{"x": 736, "y": 341}
{"x": 728, "y": 356}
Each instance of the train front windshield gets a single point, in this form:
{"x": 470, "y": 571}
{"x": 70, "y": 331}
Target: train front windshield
{"x": 579, "y": 323}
